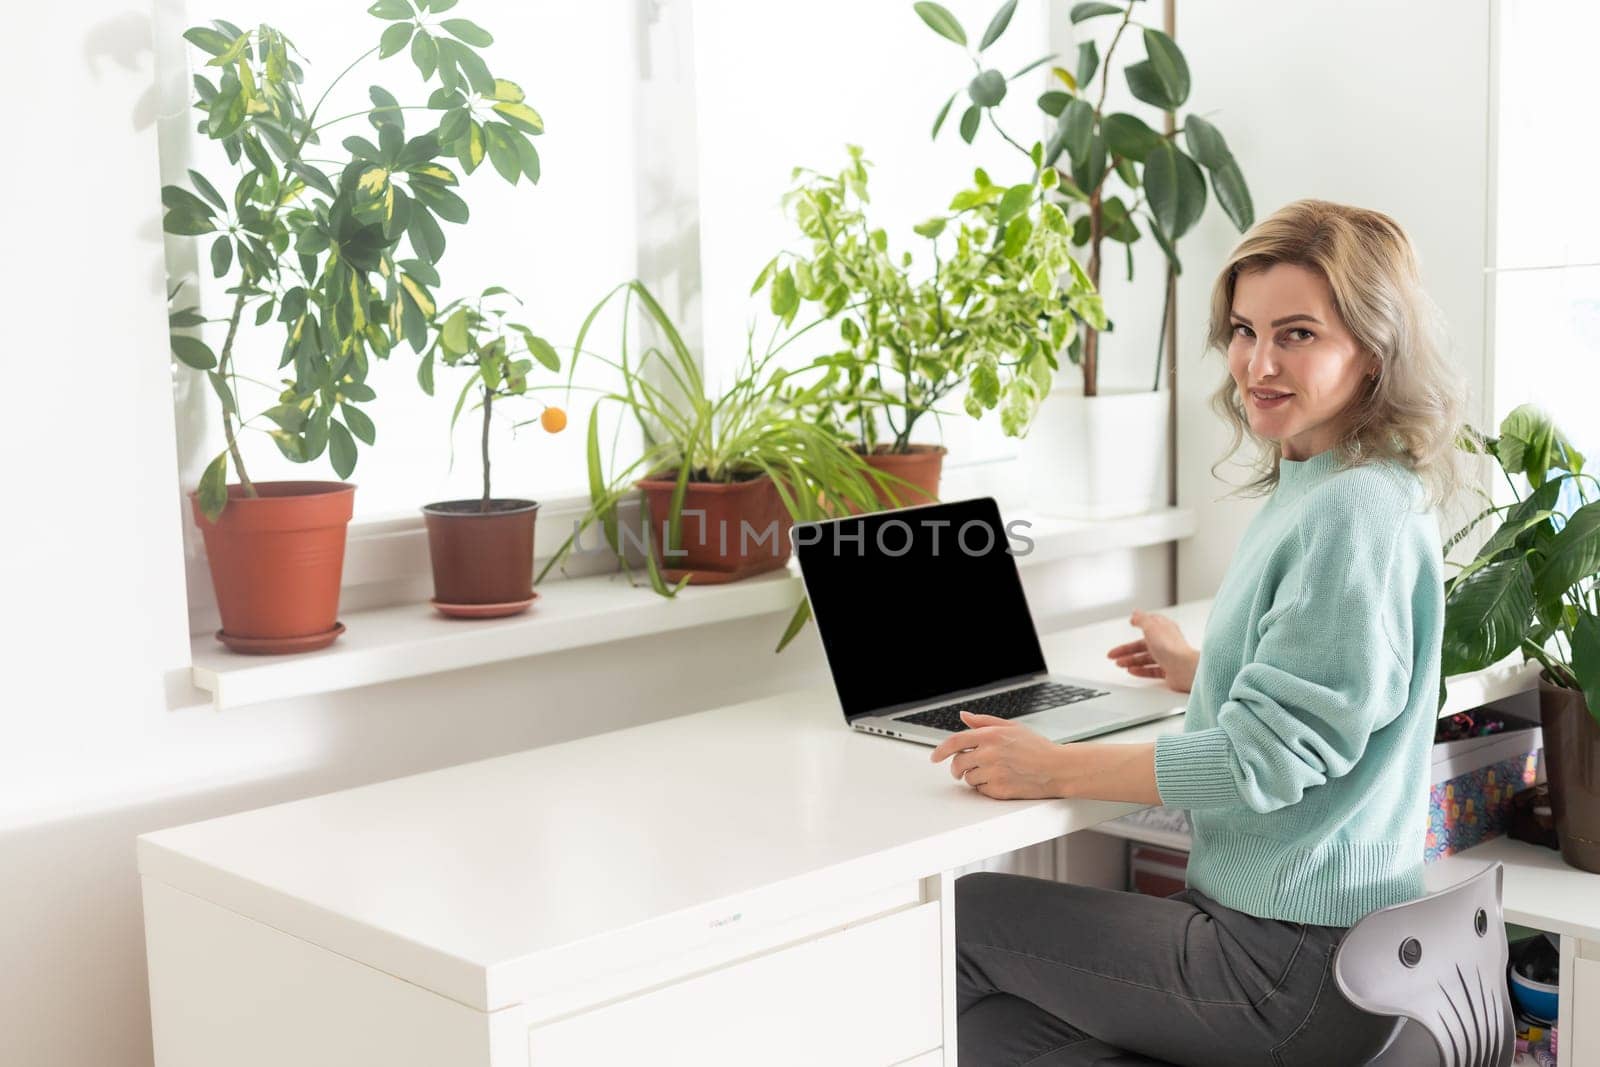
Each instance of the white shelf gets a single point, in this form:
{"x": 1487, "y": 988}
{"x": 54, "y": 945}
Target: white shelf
{"x": 1541, "y": 891}
{"x": 410, "y": 640}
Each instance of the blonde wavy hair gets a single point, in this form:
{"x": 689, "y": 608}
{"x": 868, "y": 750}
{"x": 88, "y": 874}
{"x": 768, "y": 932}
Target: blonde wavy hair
{"x": 1410, "y": 412}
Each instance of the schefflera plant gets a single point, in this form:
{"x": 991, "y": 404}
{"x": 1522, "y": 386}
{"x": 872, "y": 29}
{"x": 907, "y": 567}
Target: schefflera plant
{"x": 318, "y": 244}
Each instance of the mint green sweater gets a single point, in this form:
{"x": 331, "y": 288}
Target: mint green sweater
{"x": 1305, "y": 751}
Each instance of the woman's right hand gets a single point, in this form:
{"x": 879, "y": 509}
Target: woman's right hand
{"x": 1161, "y": 653}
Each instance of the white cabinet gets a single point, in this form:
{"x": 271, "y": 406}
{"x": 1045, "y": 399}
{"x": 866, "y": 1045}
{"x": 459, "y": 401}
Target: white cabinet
{"x": 867, "y": 995}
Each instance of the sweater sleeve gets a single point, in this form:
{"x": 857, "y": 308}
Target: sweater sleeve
{"x": 1325, "y": 674}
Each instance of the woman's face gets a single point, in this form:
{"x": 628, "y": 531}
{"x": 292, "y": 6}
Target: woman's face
{"x": 1296, "y": 366}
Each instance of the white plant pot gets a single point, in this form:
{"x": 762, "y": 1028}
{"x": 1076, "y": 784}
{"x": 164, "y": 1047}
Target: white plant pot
{"x": 1097, "y": 457}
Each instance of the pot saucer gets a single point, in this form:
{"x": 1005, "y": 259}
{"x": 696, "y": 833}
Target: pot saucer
{"x": 271, "y": 646}
{"x": 483, "y": 611}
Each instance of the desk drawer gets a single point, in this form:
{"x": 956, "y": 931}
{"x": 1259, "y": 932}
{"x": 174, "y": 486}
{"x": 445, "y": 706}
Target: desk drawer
{"x": 866, "y": 995}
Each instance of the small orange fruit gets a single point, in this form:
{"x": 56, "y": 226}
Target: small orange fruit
{"x": 554, "y": 420}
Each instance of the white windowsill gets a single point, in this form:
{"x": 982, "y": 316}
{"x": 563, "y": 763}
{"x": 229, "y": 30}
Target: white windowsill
{"x": 410, "y": 640}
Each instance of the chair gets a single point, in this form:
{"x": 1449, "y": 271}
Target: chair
{"x": 1440, "y": 962}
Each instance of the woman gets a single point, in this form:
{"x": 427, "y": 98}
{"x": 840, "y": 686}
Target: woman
{"x": 1304, "y": 756}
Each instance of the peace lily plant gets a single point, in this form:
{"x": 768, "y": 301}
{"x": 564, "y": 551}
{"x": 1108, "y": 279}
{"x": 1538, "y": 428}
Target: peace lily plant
{"x": 337, "y": 247}
{"x": 1532, "y": 588}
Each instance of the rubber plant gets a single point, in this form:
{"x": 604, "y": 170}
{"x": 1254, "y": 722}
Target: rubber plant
{"x": 482, "y": 549}
{"x": 340, "y": 253}
{"x": 1155, "y": 179}
{"x": 997, "y": 295}
{"x": 1532, "y": 588}
{"x": 751, "y": 452}
{"x": 335, "y": 247}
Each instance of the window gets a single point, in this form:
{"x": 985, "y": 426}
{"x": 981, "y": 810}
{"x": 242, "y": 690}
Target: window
{"x": 1544, "y": 273}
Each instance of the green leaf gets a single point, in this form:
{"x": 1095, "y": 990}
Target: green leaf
{"x": 394, "y": 39}
{"x": 341, "y": 449}
{"x": 192, "y": 352}
{"x": 1091, "y": 170}
{"x": 1054, "y": 102}
{"x": 1014, "y": 202}
{"x": 1041, "y": 61}
{"x": 441, "y": 202}
{"x": 425, "y": 374}
{"x": 1167, "y": 63}
{"x": 221, "y": 255}
{"x": 468, "y": 32}
{"x": 208, "y": 190}
{"x": 785, "y": 298}
{"x": 940, "y": 21}
{"x": 1077, "y": 131}
{"x": 543, "y": 351}
{"x": 1573, "y": 555}
{"x": 359, "y": 423}
{"x": 522, "y": 116}
{"x": 1176, "y": 189}
{"x": 931, "y": 228}
{"x": 1081, "y": 12}
{"x": 1486, "y": 616}
{"x": 1233, "y": 195}
{"x": 1586, "y": 660}
{"x": 425, "y": 54}
{"x": 1145, "y": 84}
{"x": 797, "y": 622}
{"x": 998, "y": 24}
{"x": 943, "y": 112}
{"x": 1129, "y": 136}
{"x": 207, "y": 40}
{"x": 988, "y": 88}
{"x": 391, "y": 9}
{"x": 1166, "y": 246}
{"x": 213, "y": 492}
{"x": 1205, "y": 143}
{"x": 427, "y": 239}
{"x": 528, "y": 158}
{"x": 969, "y": 123}
{"x": 1088, "y": 62}
{"x": 506, "y": 92}
{"x": 1527, "y": 443}
{"x": 501, "y": 140}
{"x": 219, "y": 385}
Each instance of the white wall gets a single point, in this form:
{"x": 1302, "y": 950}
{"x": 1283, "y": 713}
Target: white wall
{"x": 1379, "y": 104}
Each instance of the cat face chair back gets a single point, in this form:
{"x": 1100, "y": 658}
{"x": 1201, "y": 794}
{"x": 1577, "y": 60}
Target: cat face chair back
{"x": 1440, "y": 961}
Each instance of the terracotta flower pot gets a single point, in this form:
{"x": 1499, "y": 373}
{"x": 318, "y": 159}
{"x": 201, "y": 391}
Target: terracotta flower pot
{"x": 276, "y": 560}
{"x": 482, "y": 560}
{"x": 921, "y": 467}
{"x": 742, "y": 529}
{"x": 1572, "y": 761}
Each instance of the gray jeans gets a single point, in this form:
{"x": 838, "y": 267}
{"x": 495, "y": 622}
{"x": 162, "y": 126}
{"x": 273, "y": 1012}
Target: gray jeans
{"x": 1053, "y": 975}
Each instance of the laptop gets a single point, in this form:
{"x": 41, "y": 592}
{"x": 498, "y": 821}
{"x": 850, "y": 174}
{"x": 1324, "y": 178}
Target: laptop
{"x": 922, "y": 615}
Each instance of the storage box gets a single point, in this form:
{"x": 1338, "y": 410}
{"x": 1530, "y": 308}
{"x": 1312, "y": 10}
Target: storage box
{"x": 1156, "y": 872}
{"x": 1473, "y": 781}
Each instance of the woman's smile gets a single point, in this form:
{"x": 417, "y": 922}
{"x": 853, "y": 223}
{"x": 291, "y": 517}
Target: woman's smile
{"x": 1269, "y": 399}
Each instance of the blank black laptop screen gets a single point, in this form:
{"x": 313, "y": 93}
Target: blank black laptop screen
{"x": 915, "y": 604}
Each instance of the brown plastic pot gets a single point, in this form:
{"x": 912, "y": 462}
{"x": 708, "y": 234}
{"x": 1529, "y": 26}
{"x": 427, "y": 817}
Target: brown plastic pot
{"x": 276, "y": 559}
{"x": 742, "y": 529}
{"x": 1572, "y": 762}
{"x": 482, "y": 558}
{"x": 921, "y": 467}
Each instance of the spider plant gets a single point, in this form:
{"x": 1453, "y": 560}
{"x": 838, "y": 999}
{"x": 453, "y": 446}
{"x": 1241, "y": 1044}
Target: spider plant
{"x": 756, "y": 427}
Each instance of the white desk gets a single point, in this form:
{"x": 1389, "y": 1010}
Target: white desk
{"x": 754, "y": 883}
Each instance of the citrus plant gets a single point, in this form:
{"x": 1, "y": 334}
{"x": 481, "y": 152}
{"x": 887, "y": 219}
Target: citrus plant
{"x": 341, "y": 253}
{"x": 500, "y": 354}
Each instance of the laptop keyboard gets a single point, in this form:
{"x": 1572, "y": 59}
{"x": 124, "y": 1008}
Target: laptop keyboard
{"x": 1007, "y": 705}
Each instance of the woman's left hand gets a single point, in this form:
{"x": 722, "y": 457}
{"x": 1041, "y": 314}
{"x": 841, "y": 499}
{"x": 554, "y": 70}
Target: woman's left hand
{"x": 1002, "y": 759}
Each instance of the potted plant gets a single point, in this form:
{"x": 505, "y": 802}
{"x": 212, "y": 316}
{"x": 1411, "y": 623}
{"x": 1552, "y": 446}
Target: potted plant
{"x": 1532, "y": 588}
{"x": 1114, "y": 169}
{"x": 998, "y": 298}
{"x": 723, "y": 475}
{"x": 317, "y": 248}
{"x": 482, "y": 549}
